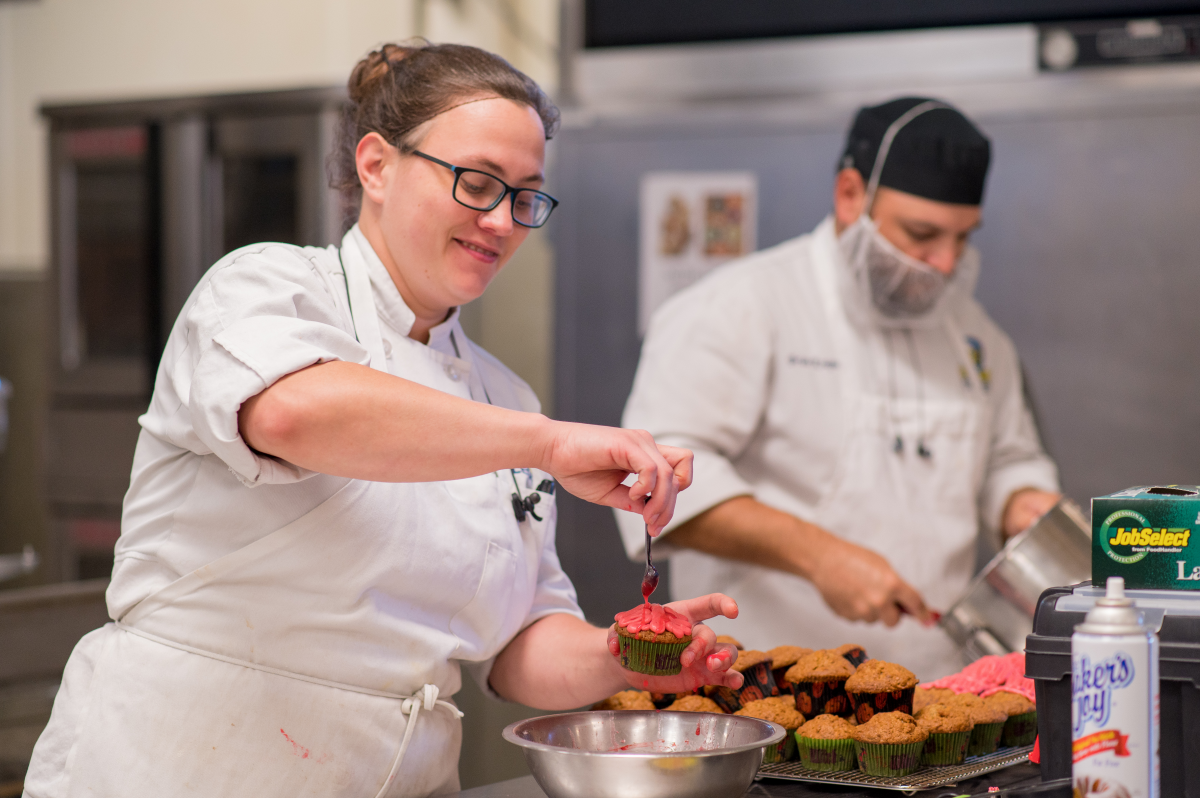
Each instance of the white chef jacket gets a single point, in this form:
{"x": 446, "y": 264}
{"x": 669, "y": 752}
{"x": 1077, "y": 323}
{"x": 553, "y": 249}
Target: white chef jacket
{"x": 760, "y": 370}
{"x": 370, "y": 603}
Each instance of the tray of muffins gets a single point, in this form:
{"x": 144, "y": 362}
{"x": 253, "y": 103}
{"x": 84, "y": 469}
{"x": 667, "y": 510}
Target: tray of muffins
{"x": 853, "y": 720}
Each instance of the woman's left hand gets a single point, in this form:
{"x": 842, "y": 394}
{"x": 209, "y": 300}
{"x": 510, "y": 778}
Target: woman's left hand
{"x": 704, "y": 660}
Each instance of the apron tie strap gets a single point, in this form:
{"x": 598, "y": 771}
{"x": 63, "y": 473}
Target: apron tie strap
{"x": 426, "y": 698}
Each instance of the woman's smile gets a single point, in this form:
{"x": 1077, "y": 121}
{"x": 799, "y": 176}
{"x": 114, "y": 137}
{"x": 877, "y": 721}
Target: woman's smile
{"x": 479, "y": 251}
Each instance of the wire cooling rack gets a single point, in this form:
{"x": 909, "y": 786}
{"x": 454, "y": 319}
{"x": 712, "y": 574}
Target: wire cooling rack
{"x": 924, "y": 779}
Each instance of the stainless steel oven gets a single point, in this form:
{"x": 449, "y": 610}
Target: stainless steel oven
{"x": 145, "y": 197}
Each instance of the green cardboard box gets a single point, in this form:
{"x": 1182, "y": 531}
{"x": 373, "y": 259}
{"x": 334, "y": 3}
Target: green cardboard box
{"x": 1145, "y": 535}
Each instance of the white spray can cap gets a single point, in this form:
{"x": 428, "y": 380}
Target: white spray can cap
{"x": 1115, "y": 614}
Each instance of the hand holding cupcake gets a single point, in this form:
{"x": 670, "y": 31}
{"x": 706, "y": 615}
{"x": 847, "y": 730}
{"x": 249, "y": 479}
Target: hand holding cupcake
{"x": 667, "y": 649}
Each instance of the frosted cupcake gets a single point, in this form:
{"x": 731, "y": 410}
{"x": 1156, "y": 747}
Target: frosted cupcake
{"x": 652, "y": 637}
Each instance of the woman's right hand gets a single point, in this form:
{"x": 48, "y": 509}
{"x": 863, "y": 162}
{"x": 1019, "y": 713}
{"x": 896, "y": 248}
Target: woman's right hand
{"x": 593, "y": 462}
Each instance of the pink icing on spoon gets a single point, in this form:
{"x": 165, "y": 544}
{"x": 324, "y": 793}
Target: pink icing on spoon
{"x": 656, "y": 618}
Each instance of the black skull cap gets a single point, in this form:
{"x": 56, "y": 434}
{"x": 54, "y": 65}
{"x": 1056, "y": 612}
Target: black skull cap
{"x": 939, "y": 154}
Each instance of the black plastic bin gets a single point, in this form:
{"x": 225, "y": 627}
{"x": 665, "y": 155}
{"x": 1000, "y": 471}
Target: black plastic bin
{"x": 1048, "y": 663}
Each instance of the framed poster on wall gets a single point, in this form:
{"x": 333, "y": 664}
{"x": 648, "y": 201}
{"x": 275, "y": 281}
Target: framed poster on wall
{"x": 690, "y": 223}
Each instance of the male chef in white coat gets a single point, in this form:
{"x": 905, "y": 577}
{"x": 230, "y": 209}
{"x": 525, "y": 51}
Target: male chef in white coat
{"x": 857, "y": 419}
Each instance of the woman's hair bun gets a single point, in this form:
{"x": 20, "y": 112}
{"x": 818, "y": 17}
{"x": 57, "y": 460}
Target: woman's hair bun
{"x": 369, "y": 72}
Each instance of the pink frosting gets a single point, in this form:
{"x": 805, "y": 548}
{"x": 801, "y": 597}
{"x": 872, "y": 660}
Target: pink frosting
{"x": 988, "y": 675}
{"x": 656, "y": 618}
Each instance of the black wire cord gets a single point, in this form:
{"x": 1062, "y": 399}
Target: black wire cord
{"x": 521, "y": 506}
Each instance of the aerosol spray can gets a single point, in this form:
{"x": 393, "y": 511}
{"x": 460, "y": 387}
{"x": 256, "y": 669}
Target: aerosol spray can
{"x": 1114, "y": 701}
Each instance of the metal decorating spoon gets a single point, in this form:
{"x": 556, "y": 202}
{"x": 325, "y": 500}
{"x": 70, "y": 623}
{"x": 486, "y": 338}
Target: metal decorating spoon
{"x": 650, "y": 578}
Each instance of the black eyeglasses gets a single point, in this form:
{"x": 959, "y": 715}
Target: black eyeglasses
{"x": 480, "y": 191}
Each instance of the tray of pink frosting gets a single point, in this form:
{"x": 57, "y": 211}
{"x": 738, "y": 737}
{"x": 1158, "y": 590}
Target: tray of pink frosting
{"x": 988, "y": 675}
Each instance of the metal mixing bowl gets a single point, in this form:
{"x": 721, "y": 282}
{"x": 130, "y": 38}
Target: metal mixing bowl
{"x": 634, "y": 754}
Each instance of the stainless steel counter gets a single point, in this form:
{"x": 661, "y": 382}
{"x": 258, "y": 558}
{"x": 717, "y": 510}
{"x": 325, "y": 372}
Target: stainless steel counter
{"x": 1018, "y": 775}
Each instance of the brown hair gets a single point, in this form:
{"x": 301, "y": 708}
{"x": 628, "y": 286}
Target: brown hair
{"x": 399, "y": 87}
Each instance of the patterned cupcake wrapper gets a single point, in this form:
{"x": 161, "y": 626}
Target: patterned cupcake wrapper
{"x": 782, "y": 751}
{"x": 880, "y": 759}
{"x": 985, "y": 738}
{"x": 785, "y": 687}
{"x": 1020, "y": 729}
{"x": 823, "y": 698}
{"x": 653, "y": 659}
{"x": 664, "y": 700}
{"x": 856, "y": 656}
{"x": 826, "y": 756}
{"x": 757, "y": 683}
{"x": 868, "y": 704}
{"x": 946, "y": 749}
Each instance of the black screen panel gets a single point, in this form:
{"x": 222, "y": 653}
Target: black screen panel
{"x": 617, "y": 23}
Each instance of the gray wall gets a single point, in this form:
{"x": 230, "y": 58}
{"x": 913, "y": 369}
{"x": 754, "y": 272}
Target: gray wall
{"x": 1089, "y": 249}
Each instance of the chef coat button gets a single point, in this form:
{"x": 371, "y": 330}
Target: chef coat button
{"x": 453, "y": 374}
{"x": 387, "y": 347}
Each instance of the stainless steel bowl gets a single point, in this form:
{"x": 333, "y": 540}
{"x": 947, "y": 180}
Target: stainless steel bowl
{"x": 646, "y": 754}
{"x": 996, "y": 612}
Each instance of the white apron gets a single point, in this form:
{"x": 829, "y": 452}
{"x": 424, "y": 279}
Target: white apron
{"x": 919, "y": 513}
{"x": 296, "y": 666}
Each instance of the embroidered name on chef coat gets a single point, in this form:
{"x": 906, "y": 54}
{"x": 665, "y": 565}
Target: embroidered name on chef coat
{"x": 814, "y": 362}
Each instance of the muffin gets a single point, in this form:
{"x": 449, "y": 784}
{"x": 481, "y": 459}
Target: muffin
{"x": 782, "y": 658}
{"x": 695, "y": 703}
{"x": 825, "y": 744}
{"x": 626, "y": 699}
{"x": 924, "y": 696}
{"x": 989, "y": 722}
{"x": 733, "y": 641}
{"x": 781, "y": 710}
{"x": 819, "y": 682}
{"x": 879, "y": 686}
{"x": 652, "y": 637}
{"x": 854, "y": 653}
{"x": 889, "y": 744}
{"x": 664, "y": 700}
{"x": 1021, "y": 726}
{"x": 758, "y": 683}
{"x": 949, "y": 729}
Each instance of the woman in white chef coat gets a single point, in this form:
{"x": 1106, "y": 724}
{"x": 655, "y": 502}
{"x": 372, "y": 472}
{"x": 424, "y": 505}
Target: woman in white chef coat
{"x": 337, "y": 498}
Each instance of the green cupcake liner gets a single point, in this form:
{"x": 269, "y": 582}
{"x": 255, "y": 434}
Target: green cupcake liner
{"x": 783, "y": 751}
{"x": 1020, "y": 729}
{"x": 946, "y": 749}
{"x": 889, "y": 759}
{"x": 826, "y": 756}
{"x": 985, "y": 738}
{"x": 653, "y": 659}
